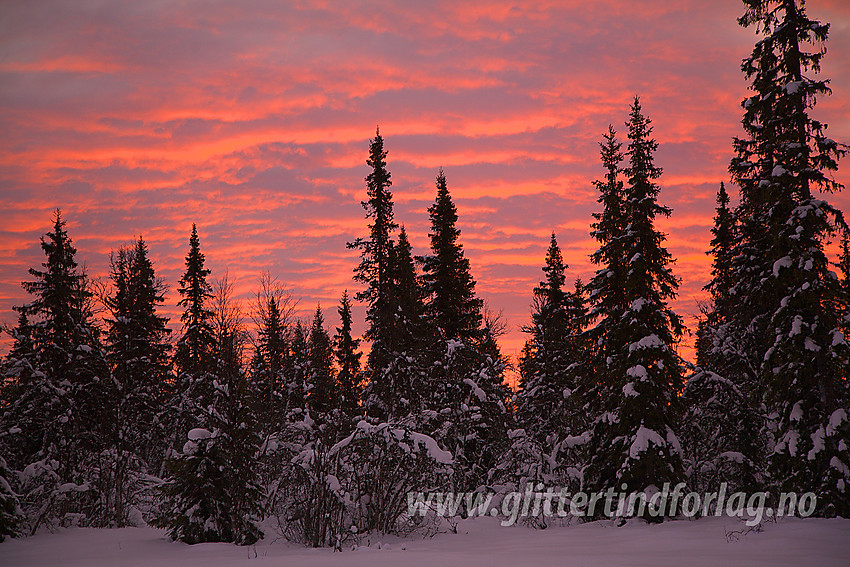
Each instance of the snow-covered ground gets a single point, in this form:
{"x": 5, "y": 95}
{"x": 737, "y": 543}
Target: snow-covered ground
{"x": 481, "y": 541}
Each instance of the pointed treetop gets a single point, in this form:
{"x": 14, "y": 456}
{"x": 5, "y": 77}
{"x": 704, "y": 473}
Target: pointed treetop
{"x": 554, "y": 269}
{"x": 554, "y": 264}
{"x": 448, "y": 282}
{"x": 641, "y": 168}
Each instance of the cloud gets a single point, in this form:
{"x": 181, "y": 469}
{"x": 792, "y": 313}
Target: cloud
{"x": 253, "y": 121}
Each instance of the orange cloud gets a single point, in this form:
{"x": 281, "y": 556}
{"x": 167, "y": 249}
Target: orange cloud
{"x": 253, "y": 121}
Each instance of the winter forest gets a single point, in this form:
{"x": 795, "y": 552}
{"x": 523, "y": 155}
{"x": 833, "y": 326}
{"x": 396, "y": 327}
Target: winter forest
{"x": 250, "y": 423}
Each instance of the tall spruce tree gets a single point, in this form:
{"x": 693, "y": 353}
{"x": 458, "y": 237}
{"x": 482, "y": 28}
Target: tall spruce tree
{"x": 452, "y": 307}
{"x": 634, "y": 441}
{"x": 722, "y": 249}
{"x": 790, "y": 306}
{"x": 194, "y": 360}
{"x": 324, "y": 395}
{"x": 138, "y": 351}
{"x": 348, "y": 361}
{"x": 722, "y": 425}
{"x": 605, "y": 289}
{"x": 464, "y": 379}
{"x": 195, "y": 346}
{"x": 609, "y": 230}
{"x": 452, "y": 310}
{"x": 212, "y": 492}
{"x": 405, "y": 372}
{"x": 297, "y": 373}
{"x": 60, "y": 405}
{"x": 269, "y": 362}
{"x": 720, "y": 286}
{"x": 18, "y": 368}
{"x": 375, "y": 268}
{"x": 546, "y": 403}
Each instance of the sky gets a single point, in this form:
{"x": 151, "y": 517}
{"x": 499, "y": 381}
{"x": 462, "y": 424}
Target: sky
{"x": 253, "y": 120}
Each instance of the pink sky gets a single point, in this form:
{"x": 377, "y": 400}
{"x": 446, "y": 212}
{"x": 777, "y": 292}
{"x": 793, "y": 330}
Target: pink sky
{"x": 253, "y": 120}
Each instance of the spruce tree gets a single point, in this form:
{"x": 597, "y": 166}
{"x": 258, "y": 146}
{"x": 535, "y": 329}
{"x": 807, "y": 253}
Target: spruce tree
{"x": 375, "y": 268}
{"x": 410, "y": 308}
{"x": 722, "y": 249}
{"x": 605, "y": 289}
{"x": 464, "y": 378}
{"x": 721, "y": 435}
{"x": 609, "y": 230}
{"x": 546, "y": 402}
{"x": 212, "y": 492}
{"x": 634, "y": 440}
{"x": 348, "y": 361}
{"x": 452, "y": 307}
{"x": 18, "y": 370}
{"x": 194, "y": 348}
{"x": 61, "y": 404}
{"x": 138, "y": 351}
{"x": 324, "y": 395}
{"x": 452, "y": 310}
{"x": 194, "y": 359}
{"x": 269, "y": 362}
{"x": 722, "y": 424}
{"x": 791, "y": 306}
{"x": 709, "y": 354}
{"x": 404, "y": 375}
{"x": 297, "y": 374}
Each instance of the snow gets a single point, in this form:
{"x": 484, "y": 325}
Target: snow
{"x": 650, "y": 341}
{"x": 796, "y": 326}
{"x": 514, "y": 433}
{"x": 817, "y": 444}
{"x": 792, "y": 438}
{"x": 420, "y": 439}
{"x": 638, "y": 371}
{"x": 452, "y": 345}
{"x": 796, "y": 412}
{"x": 733, "y": 456}
{"x": 784, "y": 262}
{"x": 836, "y": 463}
{"x": 199, "y": 433}
{"x": 629, "y": 389}
{"x": 478, "y": 542}
{"x": 72, "y": 487}
{"x": 573, "y": 441}
{"x": 642, "y": 440}
{"x": 838, "y": 417}
{"x": 479, "y": 393}
{"x": 673, "y": 441}
{"x": 333, "y": 483}
{"x": 778, "y": 171}
{"x": 792, "y": 87}
{"x": 434, "y": 450}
